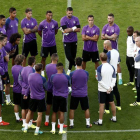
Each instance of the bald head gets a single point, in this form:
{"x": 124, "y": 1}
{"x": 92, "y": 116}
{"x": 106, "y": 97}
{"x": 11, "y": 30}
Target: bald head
{"x": 107, "y": 44}
{"x": 137, "y": 41}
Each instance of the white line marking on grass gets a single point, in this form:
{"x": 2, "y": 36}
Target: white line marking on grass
{"x": 64, "y": 136}
{"x": 91, "y": 131}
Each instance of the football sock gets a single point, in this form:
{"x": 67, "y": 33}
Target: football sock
{"x": 87, "y": 121}
{"x": 96, "y": 72}
{"x": 24, "y": 121}
{"x": 61, "y": 127}
{"x": 30, "y": 122}
{"x": 100, "y": 121}
{"x": 8, "y": 98}
{"x": 42, "y": 72}
{"x": 17, "y": 115}
{"x": 58, "y": 122}
{"x": 114, "y": 118}
{"x": 26, "y": 125}
{"x": 37, "y": 129}
{"x": 0, "y": 119}
{"x": 46, "y": 118}
{"x": 120, "y": 75}
{"x": 71, "y": 122}
{"x": 53, "y": 126}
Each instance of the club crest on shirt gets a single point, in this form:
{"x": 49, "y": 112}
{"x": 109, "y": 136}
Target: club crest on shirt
{"x": 11, "y": 26}
{"x": 27, "y": 24}
{"x": 52, "y": 26}
{"x": 74, "y": 21}
{"x": 112, "y": 30}
{"x": 32, "y": 24}
{"x": 93, "y": 31}
{"x": 46, "y": 27}
{"x": 107, "y": 30}
{"x": 87, "y": 31}
{"x": 16, "y": 24}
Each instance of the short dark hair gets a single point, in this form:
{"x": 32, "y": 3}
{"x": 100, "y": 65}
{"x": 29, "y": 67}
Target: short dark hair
{"x": 137, "y": 32}
{"x": 14, "y": 37}
{"x": 78, "y": 61}
{"x": 91, "y": 16}
{"x": 3, "y": 35}
{"x": 103, "y": 56}
{"x": 130, "y": 28}
{"x": 31, "y": 60}
{"x": 12, "y": 9}
{"x": 69, "y": 9}
{"x": 28, "y": 10}
{"x": 111, "y": 15}
{"x": 2, "y": 16}
{"x": 54, "y": 56}
{"x": 48, "y": 12}
{"x": 38, "y": 67}
{"x": 59, "y": 64}
{"x": 1, "y": 38}
{"x": 19, "y": 59}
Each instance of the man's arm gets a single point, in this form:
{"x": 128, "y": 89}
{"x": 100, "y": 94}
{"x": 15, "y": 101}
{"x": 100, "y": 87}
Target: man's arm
{"x": 94, "y": 38}
{"x": 112, "y": 37}
{"x": 84, "y": 38}
{"x": 113, "y": 81}
{"x": 35, "y": 29}
{"x": 20, "y": 81}
{"x": 40, "y": 33}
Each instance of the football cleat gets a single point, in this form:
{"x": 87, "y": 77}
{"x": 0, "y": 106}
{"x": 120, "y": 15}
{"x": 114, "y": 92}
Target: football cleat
{"x": 89, "y": 126}
{"x": 71, "y": 126}
{"x": 11, "y": 86}
{"x": 107, "y": 111}
{"x": 46, "y": 123}
{"x": 4, "y": 123}
{"x": 18, "y": 121}
{"x": 120, "y": 82}
{"x": 9, "y": 103}
{"x": 37, "y": 133}
{"x": 135, "y": 91}
{"x": 70, "y": 89}
{"x": 32, "y": 126}
{"x": 113, "y": 120}
{"x": 53, "y": 132}
{"x": 135, "y": 104}
{"x": 64, "y": 126}
{"x": 134, "y": 88}
{"x": 97, "y": 123}
{"x": 129, "y": 84}
{"x": 135, "y": 97}
{"x": 24, "y": 130}
{"x": 118, "y": 107}
{"x": 63, "y": 132}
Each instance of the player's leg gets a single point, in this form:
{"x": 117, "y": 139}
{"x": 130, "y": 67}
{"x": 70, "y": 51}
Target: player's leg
{"x": 62, "y": 109}
{"x": 14, "y": 56}
{"x": 49, "y": 104}
{"x": 119, "y": 74}
{"x": 25, "y": 51}
{"x": 74, "y": 52}
{"x": 17, "y": 102}
{"x": 58, "y": 125}
{"x": 85, "y": 106}
{"x": 86, "y": 57}
{"x": 44, "y": 54}
{"x": 74, "y": 101}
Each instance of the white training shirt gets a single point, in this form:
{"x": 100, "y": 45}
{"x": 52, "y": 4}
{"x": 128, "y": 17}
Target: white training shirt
{"x": 113, "y": 58}
{"x": 130, "y": 46}
{"x": 106, "y": 77}
{"x": 136, "y": 59}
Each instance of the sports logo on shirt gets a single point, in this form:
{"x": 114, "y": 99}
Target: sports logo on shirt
{"x": 93, "y": 31}
{"x": 112, "y": 30}
{"x": 27, "y": 24}
{"x": 52, "y": 26}
{"x": 74, "y": 21}
{"x": 32, "y": 24}
{"x": 11, "y": 26}
{"x": 87, "y": 31}
{"x": 107, "y": 30}
{"x": 46, "y": 27}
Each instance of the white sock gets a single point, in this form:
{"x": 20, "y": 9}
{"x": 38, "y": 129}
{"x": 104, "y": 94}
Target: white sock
{"x": 100, "y": 121}
{"x": 37, "y": 129}
{"x": 42, "y": 72}
{"x": 114, "y": 118}
{"x": 24, "y": 121}
{"x": 17, "y": 116}
{"x": 26, "y": 125}
{"x": 8, "y": 98}
{"x": 46, "y": 118}
{"x": 53, "y": 126}
{"x": 120, "y": 75}
{"x": 61, "y": 127}
{"x": 58, "y": 121}
{"x": 87, "y": 121}
{"x": 96, "y": 72}
{"x": 71, "y": 122}
{"x": 30, "y": 122}
{"x": 0, "y": 119}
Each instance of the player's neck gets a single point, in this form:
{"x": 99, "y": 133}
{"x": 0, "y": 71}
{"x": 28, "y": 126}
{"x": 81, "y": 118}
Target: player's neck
{"x": 59, "y": 71}
{"x": 91, "y": 25}
{"x": 79, "y": 67}
{"x": 38, "y": 72}
{"x": 104, "y": 62}
{"x": 0, "y": 46}
{"x": 54, "y": 62}
{"x": 109, "y": 49}
{"x": 48, "y": 20}
{"x": 12, "y": 18}
{"x": 28, "y": 18}
{"x": 111, "y": 24}
{"x": 1, "y": 25}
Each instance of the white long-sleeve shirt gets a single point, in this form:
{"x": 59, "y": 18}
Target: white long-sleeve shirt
{"x": 106, "y": 77}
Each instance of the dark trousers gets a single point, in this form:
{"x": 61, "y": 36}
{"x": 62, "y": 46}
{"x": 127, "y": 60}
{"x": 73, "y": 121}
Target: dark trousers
{"x": 137, "y": 86}
{"x": 130, "y": 66}
{"x": 117, "y": 96}
{"x": 70, "y": 52}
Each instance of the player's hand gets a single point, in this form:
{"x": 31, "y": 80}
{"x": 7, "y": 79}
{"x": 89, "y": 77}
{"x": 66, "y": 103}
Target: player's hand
{"x": 24, "y": 97}
{"x": 73, "y": 28}
{"x": 109, "y": 90}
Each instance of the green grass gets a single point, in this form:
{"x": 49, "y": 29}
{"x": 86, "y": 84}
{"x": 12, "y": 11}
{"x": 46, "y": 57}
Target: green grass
{"x": 126, "y": 14}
